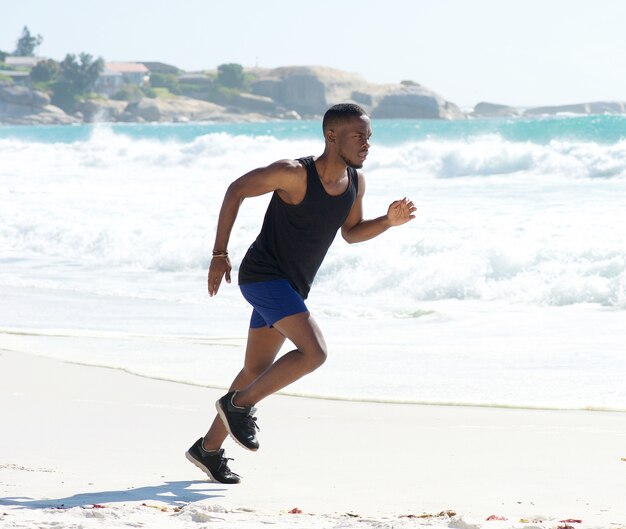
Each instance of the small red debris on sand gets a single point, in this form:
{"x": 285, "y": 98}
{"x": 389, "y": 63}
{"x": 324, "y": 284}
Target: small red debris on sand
{"x": 441, "y": 514}
{"x": 98, "y": 506}
{"x": 571, "y": 520}
{"x": 493, "y": 518}
{"x": 295, "y": 510}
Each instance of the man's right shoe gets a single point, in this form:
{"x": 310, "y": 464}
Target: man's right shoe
{"x": 213, "y": 464}
{"x": 239, "y": 421}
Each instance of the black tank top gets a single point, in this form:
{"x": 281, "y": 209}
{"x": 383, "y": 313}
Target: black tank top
{"x": 294, "y": 239}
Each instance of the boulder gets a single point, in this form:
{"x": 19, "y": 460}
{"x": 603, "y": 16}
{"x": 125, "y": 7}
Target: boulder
{"x": 256, "y": 103}
{"x": 608, "y": 107}
{"x": 309, "y": 90}
{"x": 172, "y": 109}
{"x": 21, "y": 106}
{"x": 101, "y": 110}
{"x": 362, "y": 98}
{"x": 579, "y": 108}
{"x": 493, "y": 110}
{"x": 413, "y": 101}
{"x": 20, "y": 95}
{"x": 146, "y": 109}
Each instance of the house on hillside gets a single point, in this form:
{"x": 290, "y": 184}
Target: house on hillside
{"x": 25, "y": 63}
{"x": 160, "y": 67}
{"x": 18, "y": 68}
{"x": 19, "y": 77}
{"x": 117, "y": 74}
{"x": 109, "y": 82}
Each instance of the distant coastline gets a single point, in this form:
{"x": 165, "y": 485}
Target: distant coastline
{"x": 153, "y": 92}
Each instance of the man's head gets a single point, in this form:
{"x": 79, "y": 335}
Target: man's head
{"x": 347, "y": 131}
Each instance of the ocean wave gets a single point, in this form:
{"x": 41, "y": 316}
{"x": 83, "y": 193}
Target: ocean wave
{"x": 540, "y": 276}
{"x": 483, "y": 155}
{"x": 497, "y": 219}
{"x": 491, "y": 155}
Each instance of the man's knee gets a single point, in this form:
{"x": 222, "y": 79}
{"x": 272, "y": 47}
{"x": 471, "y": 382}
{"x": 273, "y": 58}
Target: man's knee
{"x": 316, "y": 356}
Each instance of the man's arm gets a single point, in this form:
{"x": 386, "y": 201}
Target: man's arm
{"x": 275, "y": 177}
{"x": 355, "y": 229}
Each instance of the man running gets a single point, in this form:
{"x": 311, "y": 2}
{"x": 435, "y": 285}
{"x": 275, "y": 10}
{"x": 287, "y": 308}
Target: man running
{"x": 312, "y": 198}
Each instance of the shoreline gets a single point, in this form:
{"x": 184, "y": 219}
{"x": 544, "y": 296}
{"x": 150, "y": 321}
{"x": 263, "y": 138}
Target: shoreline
{"x": 34, "y": 341}
{"x": 308, "y": 396}
{"x": 118, "y": 440}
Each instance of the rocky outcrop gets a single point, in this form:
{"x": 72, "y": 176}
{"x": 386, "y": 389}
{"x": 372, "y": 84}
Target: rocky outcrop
{"x": 171, "y": 109}
{"x": 413, "y": 101}
{"x": 310, "y": 90}
{"x": 21, "y": 106}
{"x": 597, "y": 107}
{"x": 280, "y": 93}
{"x": 182, "y": 109}
{"x": 256, "y": 103}
{"x": 493, "y": 110}
{"x": 101, "y": 110}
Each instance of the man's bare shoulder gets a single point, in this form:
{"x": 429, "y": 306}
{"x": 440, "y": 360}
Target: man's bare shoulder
{"x": 289, "y": 177}
{"x": 287, "y": 166}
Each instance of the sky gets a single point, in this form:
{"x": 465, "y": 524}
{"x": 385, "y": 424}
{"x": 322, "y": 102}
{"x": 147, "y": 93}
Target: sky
{"x": 522, "y": 53}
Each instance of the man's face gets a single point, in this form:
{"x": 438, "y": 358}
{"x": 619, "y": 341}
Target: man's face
{"x": 353, "y": 141}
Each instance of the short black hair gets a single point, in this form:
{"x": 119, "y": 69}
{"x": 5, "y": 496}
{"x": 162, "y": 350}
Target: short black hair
{"x": 341, "y": 112}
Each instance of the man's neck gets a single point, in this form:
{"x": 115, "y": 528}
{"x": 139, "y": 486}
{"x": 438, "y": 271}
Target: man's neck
{"x": 329, "y": 172}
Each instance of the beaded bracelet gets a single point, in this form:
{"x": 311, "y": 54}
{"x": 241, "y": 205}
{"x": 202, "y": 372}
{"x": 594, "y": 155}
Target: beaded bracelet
{"x": 220, "y": 254}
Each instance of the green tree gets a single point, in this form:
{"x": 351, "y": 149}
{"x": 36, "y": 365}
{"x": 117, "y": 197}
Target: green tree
{"x": 165, "y": 80}
{"x": 230, "y": 75}
{"x": 27, "y": 43}
{"x": 45, "y": 71}
{"x": 76, "y": 77}
{"x": 64, "y": 96}
{"x": 3, "y": 55}
{"x": 128, "y": 92}
{"x": 83, "y": 73}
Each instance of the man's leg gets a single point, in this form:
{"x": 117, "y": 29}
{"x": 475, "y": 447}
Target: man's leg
{"x": 310, "y": 353}
{"x": 263, "y": 345}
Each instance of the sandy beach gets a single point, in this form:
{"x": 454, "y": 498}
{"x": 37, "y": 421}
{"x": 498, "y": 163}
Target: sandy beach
{"x": 94, "y": 447}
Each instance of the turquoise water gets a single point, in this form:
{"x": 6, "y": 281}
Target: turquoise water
{"x": 603, "y": 129}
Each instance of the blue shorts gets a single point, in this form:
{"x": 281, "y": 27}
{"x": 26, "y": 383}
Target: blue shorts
{"x": 271, "y": 301}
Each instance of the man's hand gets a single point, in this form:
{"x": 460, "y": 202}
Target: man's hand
{"x": 401, "y": 212}
{"x": 219, "y": 267}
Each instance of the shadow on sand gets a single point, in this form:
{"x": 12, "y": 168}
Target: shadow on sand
{"x": 173, "y": 493}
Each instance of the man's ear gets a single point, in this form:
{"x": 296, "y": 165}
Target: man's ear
{"x": 331, "y": 137}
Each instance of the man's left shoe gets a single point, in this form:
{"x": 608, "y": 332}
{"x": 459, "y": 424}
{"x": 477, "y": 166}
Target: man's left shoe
{"x": 239, "y": 421}
{"x": 213, "y": 464}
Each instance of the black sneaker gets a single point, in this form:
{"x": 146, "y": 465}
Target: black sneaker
{"x": 239, "y": 422}
{"x": 213, "y": 463}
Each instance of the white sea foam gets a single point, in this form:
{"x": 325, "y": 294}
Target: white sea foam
{"x": 528, "y": 223}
